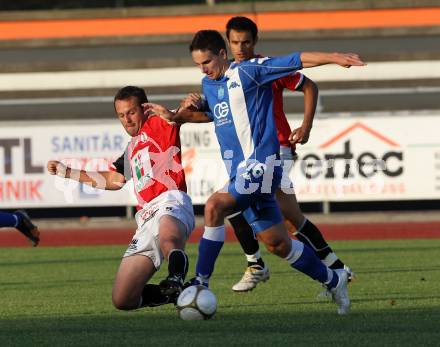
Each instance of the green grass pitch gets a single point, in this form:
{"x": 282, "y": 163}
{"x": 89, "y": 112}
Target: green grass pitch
{"x": 62, "y": 297}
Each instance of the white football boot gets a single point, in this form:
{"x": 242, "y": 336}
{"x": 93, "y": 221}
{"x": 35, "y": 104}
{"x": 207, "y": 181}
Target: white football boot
{"x": 326, "y": 294}
{"x": 252, "y": 276}
{"x": 340, "y": 292}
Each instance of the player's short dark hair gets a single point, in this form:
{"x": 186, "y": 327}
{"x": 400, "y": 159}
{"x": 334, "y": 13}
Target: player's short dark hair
{"x": 242, "y": 24}
{"x": 130, "y": 91}
{"x": 208, "y": 40}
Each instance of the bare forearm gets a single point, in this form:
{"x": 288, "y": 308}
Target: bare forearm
{"x": 95, "y": 179}
{"x": 110, "y": 180}
{"x": 181, "y": 116}
{"x": 311, "y": 59}
{"x": 310, "y": 91}
{"x": 188, "y": 116}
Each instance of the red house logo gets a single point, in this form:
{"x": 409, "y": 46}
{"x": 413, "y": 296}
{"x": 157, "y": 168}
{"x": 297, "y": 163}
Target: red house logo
{"x": 363, "y": 127}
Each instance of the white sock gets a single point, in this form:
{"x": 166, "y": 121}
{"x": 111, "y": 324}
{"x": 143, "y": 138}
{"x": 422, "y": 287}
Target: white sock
{"x": 295, "y": 252}
{"x": 329, "y": 259}
{"x": 214, "y": 233}
{"x": 253, "y": 258}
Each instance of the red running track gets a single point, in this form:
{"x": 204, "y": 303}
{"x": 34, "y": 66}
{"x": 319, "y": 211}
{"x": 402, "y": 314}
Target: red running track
{"x": 355, "y": 231}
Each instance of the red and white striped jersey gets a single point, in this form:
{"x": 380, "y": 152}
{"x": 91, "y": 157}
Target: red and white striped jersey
{"x": 153, "y": 160}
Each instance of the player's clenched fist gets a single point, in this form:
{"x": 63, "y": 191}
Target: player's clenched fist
{"x": 192, "y": 101}
{"x": 55, "y": 167}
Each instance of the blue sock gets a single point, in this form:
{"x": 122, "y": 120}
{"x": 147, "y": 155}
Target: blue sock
{"x": 8, "y": 220}
{"x": 209, "y": 249}
{"x": 302, "y": 258}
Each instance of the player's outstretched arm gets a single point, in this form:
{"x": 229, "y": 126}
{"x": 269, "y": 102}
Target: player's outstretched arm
{"x": 301, "y": 134}
{"x": 311, "y": 59}
{"x": 182, "y": 116}
{"x": 109, "y": 180}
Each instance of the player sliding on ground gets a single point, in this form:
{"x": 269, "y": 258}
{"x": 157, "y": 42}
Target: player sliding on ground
{"x": 165, "y": 215}
{"x": 239, "y": 102}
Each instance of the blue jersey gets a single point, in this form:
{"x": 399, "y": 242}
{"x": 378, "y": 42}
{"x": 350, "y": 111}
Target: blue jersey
{"x": 240, "y": 104}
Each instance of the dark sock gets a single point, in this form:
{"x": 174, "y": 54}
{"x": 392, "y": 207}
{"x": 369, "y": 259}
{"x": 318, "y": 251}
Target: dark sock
{"x": 310, "y": 235}
{"x": 259, "y": 262}
{"x": 244, "y": 234}
{"x": 338, "y": 264}
{"x": 177, "y": 264}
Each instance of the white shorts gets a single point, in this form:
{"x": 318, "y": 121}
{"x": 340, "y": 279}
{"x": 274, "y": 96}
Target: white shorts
{"x": 286, "y": 156}
{"x": 145, "y": 242}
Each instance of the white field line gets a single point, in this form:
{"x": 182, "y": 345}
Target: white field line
{"x": 379, "y": 71}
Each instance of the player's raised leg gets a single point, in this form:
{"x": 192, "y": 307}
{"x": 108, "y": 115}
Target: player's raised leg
{"x": 256, "y": 270}
{"x": 308, "y": 233}
{"x": 303, "y": 259}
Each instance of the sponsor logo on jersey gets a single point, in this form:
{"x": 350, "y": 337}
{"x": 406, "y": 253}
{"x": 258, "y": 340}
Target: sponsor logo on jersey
{"x": 152, "y": 166}
{"x": 221, "y": 110}
{"x": 139, "y": 169}
{"x": 234, "y": 85}
{"x": 148, "y": 215}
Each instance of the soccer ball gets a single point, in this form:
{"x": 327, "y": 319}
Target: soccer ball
{"x": 196, "y": 303}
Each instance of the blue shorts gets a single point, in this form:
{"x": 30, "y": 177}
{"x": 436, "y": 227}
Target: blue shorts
{"x": 262, "y": 216}
{"x": 256, "y": 198}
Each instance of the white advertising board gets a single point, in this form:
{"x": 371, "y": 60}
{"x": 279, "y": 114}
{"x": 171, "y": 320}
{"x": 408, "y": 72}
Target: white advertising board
{"x": 25, "y": 149}
{"x": 346, "y": 159}
{"x": 370, "y": 158}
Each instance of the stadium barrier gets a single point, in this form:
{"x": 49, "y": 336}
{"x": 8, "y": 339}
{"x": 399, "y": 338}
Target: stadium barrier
{"x": 191, "y": 76}
{"x": 351, "y": 158}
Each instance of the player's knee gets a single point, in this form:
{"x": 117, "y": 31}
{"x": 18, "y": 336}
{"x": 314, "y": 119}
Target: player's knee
{"x": 296, "y": 219}
{"x": 211, "y": 205}
{"x": 213, "y": 208}
{"x": 122, "y": 303}
{"x": 278, "y": 247}
{"x": 123, "y": 306}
